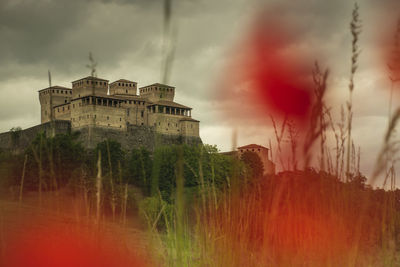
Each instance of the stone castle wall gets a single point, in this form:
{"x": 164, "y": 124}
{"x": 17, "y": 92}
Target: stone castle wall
{"x": 18, "y": 141}
{"x": 134, "y": 137}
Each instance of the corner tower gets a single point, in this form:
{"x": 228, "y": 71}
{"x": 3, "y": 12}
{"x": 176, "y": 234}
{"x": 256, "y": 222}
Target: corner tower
{"x": 158, "y": 91}
{"x": 123, "y": 87}
{"x": 51, "y": 97}
{"x": 89, "y": 86}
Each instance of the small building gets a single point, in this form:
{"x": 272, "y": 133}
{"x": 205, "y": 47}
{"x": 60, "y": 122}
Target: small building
{"x": 261, "y": 151}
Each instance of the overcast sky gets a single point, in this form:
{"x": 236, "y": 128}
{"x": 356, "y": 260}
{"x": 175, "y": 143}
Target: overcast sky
{"x": 125, "y": 37}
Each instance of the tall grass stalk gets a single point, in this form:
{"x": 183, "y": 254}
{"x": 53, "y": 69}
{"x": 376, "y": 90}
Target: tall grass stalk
{"x": 98, "y": 188}
{"x": 21, "y": 186}
{"x": 180, "y": 205}
{"x": 112, "y": 196}
{"x": 316, "y": 125}
{"x": 355, "y": 28}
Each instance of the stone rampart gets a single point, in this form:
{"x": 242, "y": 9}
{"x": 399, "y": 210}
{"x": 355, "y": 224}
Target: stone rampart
{"x": 134, "y": 137}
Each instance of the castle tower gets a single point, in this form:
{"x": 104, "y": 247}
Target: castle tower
{"x": 60, "y": 95}
{"x": 123, "y": 87}
{"x": 89, "y": 86}
{"x": 157, "y": 91}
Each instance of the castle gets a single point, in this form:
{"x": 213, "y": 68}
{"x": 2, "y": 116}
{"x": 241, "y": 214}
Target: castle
{"x": 93, "y": 102}
{"x": 99, "y": 111}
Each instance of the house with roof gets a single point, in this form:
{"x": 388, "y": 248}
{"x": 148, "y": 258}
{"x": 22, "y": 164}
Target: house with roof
{"x": 262, "y": 152}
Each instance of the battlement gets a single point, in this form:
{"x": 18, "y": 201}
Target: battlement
{"x": 123, "y": 87}
{"x": 89, "y": 86}
{"x": 158, "y": 91}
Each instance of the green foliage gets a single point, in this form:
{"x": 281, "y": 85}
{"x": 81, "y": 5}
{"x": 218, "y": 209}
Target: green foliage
{"x": 138, "y": 169}
{"x": 56, "y": 158}
{"x": 216, "y": 168}
{"x": 253, "y": 163}
{"x": 156, "y": 212}
{"x": 15, "y": 135}
{"x": 111, "y": 156}
{"x": 163, "y": 175}
{"x": 10, "y": 169}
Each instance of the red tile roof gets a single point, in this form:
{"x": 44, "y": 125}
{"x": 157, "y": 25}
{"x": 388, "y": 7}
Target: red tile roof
{"x": 252, "y": 146}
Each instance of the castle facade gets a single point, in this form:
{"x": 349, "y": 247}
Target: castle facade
{"x": 96, "y": 103}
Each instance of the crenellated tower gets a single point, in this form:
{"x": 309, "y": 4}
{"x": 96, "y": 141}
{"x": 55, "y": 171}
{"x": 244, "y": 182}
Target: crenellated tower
{"x": 59, "y": 95}
{"x": 158, "y": 91}
{"x": 123, "y": 87}
{"x": 89, "y": 86}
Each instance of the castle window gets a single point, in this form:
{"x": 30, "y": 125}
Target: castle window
{"x": 108, "y": 118}
{"x": 70, "y": 92}
{"x": 119, "y": 84}
{"x": 95, "y": 116}
{"x": 120, "y": 126}
{"x": 168, "y": 124}
{"x": 142, "y": 113}
{"x": 63, "y": 108}
{"x": 108, "y": 124}
{"x": 126, "y": 91}
{"x": 87, "y": 82}
{"x": 142, "y": 123}
{"x": 120, "y": 119}
{"x": 52, "y": 90}
{"x": 176, "y": 125}
{"x": 159, "y": 123}
{"x": 73, "y": 105}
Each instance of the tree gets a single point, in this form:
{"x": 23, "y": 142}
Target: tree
{"x": 53, "y": 161}
{"x": 253, "y": 163}
{"x": 112, "y": 156}
{"x": 138, "y": 170}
